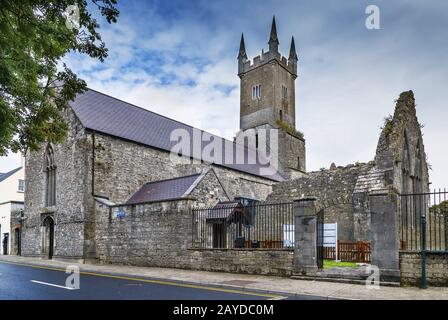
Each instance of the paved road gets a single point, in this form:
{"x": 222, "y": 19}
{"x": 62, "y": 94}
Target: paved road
{"x": 18, "y": 281}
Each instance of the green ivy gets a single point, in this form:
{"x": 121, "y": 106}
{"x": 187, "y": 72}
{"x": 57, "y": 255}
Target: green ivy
{"x": 388, "y": 125}
{"x": 292, "y": 131}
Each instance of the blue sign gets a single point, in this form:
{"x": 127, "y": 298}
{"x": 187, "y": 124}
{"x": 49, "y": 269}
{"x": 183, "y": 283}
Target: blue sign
{"x": 120, "y": 214}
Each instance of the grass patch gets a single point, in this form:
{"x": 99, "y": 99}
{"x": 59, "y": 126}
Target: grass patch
{"x": 331, "y": 264}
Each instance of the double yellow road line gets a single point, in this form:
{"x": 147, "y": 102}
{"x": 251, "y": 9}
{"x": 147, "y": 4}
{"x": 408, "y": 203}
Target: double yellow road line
{"x": 162, "y": 282}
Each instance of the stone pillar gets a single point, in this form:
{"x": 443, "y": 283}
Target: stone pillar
{"x": 384, "y": 234}
{"x": 305, "y": 235}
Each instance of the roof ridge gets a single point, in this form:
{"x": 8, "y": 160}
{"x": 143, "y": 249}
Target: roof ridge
{"x": 175, "y": 178}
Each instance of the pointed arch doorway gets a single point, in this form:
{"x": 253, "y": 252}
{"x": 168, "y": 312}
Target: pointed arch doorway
{"x": 48, "y": 237}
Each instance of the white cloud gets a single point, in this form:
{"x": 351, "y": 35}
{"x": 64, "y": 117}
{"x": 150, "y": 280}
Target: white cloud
{"x": 348, "y": 76}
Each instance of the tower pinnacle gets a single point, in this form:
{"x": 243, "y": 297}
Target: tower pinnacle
{"x": 273, "y": 39}
{"x": 242, "y": 54}
{"x": 292, "y": 51}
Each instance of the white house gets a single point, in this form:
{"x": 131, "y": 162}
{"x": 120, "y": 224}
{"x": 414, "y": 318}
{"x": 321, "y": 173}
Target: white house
{"x": 12, "y": 189}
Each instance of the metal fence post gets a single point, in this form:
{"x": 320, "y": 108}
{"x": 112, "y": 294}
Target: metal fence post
{"x": 445, "y": 224}
{"x": 423, "y": 218}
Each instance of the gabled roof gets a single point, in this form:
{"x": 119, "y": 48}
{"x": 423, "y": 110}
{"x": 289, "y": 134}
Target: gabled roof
{"x": 108, "y": 115}
{"x": 224, "y": 210}
{"x": 165, "y": 189}
{"x": 4, "y": 176}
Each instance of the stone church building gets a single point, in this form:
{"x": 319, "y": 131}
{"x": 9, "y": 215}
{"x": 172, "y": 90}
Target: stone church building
{"x": 118, "y": 154}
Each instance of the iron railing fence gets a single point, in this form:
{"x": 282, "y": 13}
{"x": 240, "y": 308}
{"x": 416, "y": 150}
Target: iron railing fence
{"x": 233, "y": 225}
{"x": 424, "y": 221}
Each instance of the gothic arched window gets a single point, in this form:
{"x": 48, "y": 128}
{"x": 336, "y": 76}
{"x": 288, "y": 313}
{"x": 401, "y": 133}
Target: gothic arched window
{"x": 406, "y": 167}
{"x": 50, "y": 177}
{"x": 418, "y": 170}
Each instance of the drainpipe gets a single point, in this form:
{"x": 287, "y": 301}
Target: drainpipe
{"x": 93, "y": 163}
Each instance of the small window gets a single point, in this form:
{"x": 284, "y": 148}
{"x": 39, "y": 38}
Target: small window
{"x": 284, "y": 92}
{"x": 256, "y": 92}
{"x": 281, "y": 115}
{"x": 298, "y": 163}
{"x": 21, "y": 185}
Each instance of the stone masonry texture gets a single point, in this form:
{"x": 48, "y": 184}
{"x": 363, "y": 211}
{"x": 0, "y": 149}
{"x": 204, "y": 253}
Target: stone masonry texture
{"x": 159, "y": 235}
{"x": 436, "y": 268}
{"x": 89, "y": 164}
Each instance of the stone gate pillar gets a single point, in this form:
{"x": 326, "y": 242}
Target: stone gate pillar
{"x": 305, "y": 235}
{"x": 384, "y": 234}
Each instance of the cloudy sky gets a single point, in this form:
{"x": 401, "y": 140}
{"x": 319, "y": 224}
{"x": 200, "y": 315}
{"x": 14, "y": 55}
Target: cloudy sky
{"x": 178, "y": 58}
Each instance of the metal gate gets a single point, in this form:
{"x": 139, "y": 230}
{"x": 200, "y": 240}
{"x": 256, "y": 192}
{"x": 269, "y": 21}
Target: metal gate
{"x": 424, "y": 224}
{"x": 320, "y": 238}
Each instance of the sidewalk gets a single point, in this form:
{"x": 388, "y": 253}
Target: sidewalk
{"x": 251, "y": 282}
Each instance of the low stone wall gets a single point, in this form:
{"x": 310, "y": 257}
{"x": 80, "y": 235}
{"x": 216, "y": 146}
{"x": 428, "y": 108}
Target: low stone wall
{"x": 257, "y": 261}
{"x": 436, "y": 268}
{"x": 159, "y": 235}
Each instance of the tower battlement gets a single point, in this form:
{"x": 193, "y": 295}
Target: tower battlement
{"x": 268, "y": 57}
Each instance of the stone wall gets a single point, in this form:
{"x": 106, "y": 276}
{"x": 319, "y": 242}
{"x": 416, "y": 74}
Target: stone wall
{"x": 156, "y": 235}
{"x": 436, "y": 268}
{"x": 292, "y": 153}
{"x": 72, "y": 186}
{"x": 209, "y": 191}
{"x": 118, "y": 170}
{"x": 333, "y": 189}
{"x": 259, "y": 261}
{"x": 122, "y": 167}
{"x": 159, "y": 235}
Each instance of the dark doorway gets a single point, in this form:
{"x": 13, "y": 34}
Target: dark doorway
{"x": 18, "y": 241}
{"x": 48, "y": 239}
{"x": 219, "y": 235}
{"x": 5, "y": 243}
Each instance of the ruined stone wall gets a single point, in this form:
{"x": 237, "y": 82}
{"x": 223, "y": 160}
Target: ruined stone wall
{"x": 72, "y": 185}
{"x": 401, "y": 150}
{"x": 436, "y": 268}
{"x": 333, "y": 190}
{"x": 159, "y": 235}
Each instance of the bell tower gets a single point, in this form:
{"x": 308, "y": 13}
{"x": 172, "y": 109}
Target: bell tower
{"x": 267, "y": 100}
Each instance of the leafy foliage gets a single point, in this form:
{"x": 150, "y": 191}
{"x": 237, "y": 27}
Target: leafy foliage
{"x": 34, "y": 36}
{"x": 388, "y": 125}
{"x": 441, "y": 208}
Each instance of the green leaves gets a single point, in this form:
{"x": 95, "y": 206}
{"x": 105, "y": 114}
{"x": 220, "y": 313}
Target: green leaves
{"x": 34, "y": 36}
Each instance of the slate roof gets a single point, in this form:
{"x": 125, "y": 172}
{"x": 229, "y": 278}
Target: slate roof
{"x": 105, "y": 114}
{"x": 164, "y": 189}
{"x": 4, "y": 176}
{"x": 223, "y": 210}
